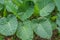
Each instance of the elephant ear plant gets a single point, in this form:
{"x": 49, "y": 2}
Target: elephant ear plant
{"x": 26, "y": 17}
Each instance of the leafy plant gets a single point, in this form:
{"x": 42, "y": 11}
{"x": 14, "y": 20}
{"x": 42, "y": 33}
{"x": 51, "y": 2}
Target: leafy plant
{"x": 26, "y": 17}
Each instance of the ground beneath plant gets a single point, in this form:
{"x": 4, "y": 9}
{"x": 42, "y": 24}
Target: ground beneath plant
{"x": 54, "y": 37}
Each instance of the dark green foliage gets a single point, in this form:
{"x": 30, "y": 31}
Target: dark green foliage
{"x": 24, "y": 17}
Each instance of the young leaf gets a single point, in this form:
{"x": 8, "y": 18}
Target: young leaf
{"x": 11, "y": 7}
{"x": 45, "y": 6}
{"x": 47, "y": 9}
{"x": 8, "y": 25}
{"x": 27, "y": 14}
{"x": 43, "y": 29}
{"x": 57, "y": 2}
{"x": 25, "y": 31}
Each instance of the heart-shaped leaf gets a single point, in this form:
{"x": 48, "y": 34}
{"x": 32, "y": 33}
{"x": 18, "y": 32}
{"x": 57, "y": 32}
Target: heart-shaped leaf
{"x": 25, "y": 31}
{"x": 8, "y": 25}
{"x": 43, "y": 29}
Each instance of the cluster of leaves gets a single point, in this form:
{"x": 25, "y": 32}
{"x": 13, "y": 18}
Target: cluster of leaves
{"x": 26, "y": 17}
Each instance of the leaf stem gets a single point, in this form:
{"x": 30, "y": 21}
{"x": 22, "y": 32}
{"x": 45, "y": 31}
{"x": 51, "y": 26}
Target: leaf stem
{"x": 4, "y": 12}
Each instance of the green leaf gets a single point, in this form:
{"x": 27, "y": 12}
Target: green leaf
{"x": 43, "y": 29}
{"x": 18, "y": 2}
{"x": 42, "y": 3}
{"x": 57, "y": 2}
{"x": 58, "y": 29}
{"x": 36, "y": 10}
{"x": 47, "y": 9}
{"x": 58, "y": 19}
{"x": 58, "y": 22}
{"x": 1, "y": 37}
{"x": 1, "y": 4}
{"x": 54, "y": 25}
{"x": 8, "y": 25}
{"x": 1, "y": 7}
{"x": 10, "y": 6}
{"x": 27, "y": 14}
{"x": 2, "y": 1}
{"x": 25, "y": 31}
